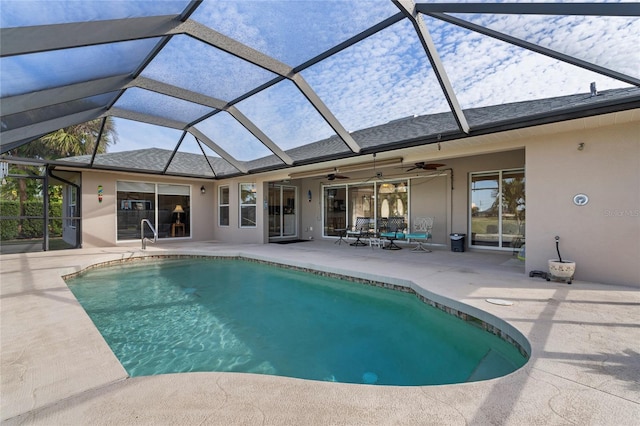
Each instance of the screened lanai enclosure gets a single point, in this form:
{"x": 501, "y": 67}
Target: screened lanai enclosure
{"x": 221, "y": 89}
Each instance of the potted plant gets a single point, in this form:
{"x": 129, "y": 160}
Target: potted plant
{"x": 562, "y": 270}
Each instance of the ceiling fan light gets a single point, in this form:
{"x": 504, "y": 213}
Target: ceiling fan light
{"x": 387, "y": 188}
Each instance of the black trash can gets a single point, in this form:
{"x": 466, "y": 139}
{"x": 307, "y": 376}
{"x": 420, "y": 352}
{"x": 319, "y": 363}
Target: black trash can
{"x": 457, "y": 242}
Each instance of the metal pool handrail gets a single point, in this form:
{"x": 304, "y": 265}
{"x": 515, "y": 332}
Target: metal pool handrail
{"x": 145, "y": 239}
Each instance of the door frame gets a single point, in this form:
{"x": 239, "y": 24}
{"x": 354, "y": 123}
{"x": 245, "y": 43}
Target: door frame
{"x": 281, "y": 206}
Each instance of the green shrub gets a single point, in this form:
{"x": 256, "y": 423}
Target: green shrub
{"x": 9, "y": 227}
{"x": 32, "y": 228}
{"x": 55, "y": 223}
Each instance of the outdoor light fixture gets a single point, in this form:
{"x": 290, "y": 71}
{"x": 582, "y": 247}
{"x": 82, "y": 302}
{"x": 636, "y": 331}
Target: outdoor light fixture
{"x": 580, "y": 146}
{"x": 203, "y": 190}
{"x": 178, "y": 210}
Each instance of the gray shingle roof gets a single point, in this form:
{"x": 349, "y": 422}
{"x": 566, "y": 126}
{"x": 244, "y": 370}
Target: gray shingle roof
{"x": 393, "y": 135}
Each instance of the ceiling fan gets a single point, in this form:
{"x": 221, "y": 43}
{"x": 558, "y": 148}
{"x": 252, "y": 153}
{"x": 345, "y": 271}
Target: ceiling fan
{"x": 377, "y": 175}
{"x": 425, "y": 166}
{"x": 336, "y": 175}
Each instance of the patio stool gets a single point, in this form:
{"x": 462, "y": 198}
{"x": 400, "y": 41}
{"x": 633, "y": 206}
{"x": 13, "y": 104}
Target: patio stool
{"x": 377, "y": 242}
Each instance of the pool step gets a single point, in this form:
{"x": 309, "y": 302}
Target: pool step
{"x": 492, "y": 365}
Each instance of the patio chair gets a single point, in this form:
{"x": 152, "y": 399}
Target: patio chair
{"x": 360, "y": 230}
{"x": 421, "y": 233}
{"x": 394, "y": 230}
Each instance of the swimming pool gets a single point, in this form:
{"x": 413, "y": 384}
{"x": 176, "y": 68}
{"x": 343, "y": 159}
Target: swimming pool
{"x": 234, "y": 315}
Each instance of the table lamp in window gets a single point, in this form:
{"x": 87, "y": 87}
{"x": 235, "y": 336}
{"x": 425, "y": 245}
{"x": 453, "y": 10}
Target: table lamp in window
{"x": 178, "y": 210}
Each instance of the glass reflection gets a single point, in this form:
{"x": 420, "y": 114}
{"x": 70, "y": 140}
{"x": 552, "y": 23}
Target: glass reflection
{"x": 335, "y": 211}
{"x": 498, "y": 209}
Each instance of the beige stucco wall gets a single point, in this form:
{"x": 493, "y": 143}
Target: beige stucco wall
{"x": 99, "y": 219}
{"x": 602, "y": 237}
{"x": 440, "y": 197}
{"x": 478, "y": 163}
{"x": 233, "y": 233}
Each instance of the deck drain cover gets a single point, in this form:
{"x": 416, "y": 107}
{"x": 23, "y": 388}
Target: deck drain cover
{"x": 500, "y": 302}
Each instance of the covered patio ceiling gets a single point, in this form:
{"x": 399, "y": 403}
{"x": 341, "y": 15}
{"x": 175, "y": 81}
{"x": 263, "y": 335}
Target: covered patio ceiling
{"x": 220, "y": 89}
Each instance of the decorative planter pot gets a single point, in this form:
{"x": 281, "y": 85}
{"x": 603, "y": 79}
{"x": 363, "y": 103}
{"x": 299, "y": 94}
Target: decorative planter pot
{"x": 562, "y": 271}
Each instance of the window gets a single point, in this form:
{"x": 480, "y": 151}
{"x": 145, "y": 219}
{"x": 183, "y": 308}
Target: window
{"x": 343, "y": 204}
{"x": 248, "y": 205}
{"x": 361, "y": 203}
{"x": 173, "y": 211}
{"x": 497, "y": 211}
{"x": 223, "y": 206}
{"x": 393, "y": 200}
{"x": 166, "y": 206}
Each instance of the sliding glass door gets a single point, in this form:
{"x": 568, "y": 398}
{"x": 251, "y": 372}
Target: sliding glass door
{"x": 166, "y": 206}
{"x": 343, "y": 204}
{"x": 361, "y": 202}
{"x": 335, "y": 211}
{"x": 282, "y": 211}
{"x": 497, "y": 211}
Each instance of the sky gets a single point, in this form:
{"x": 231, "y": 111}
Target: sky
{"x": 380, "y": 79}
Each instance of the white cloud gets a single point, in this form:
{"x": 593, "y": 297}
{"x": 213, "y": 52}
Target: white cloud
{"x": 385, "y": 77}
{"x": 44, "y": 12}
{"x": 285, "y": 116}
{"x": 606, "y": 41}
{"x": 134, "y": 135}
{"x": 485, "y": 71}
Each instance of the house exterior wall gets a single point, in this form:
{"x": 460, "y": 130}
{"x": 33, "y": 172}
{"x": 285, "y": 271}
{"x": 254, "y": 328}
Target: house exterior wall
{"x": 603, "y": 236}
{"x": 437, "y": 196}
{"x": 463, "y": 167}
{"x": 99, "y": 218}
{"x": 234, "y": 233}
{"x": 431, "y": 197}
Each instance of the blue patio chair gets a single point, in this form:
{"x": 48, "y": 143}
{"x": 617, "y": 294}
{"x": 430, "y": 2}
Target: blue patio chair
{"x": 393, "y": 230}
{"x": 422, "y": 227}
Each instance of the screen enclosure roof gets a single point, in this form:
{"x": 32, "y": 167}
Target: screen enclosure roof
{"x": 217, "y": 89}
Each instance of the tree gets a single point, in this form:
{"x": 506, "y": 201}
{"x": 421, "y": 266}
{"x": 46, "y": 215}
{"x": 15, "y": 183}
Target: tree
{"x": 70, "y": 141}
{"x": 513, "y": 199}
{"x": 67, "y": 142}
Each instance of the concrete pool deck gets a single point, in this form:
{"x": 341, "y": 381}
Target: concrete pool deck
{"x": 584, "y": 367}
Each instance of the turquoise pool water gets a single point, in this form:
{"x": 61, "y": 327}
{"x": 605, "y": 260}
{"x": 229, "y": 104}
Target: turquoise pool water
{"x": 180, "y": 315}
